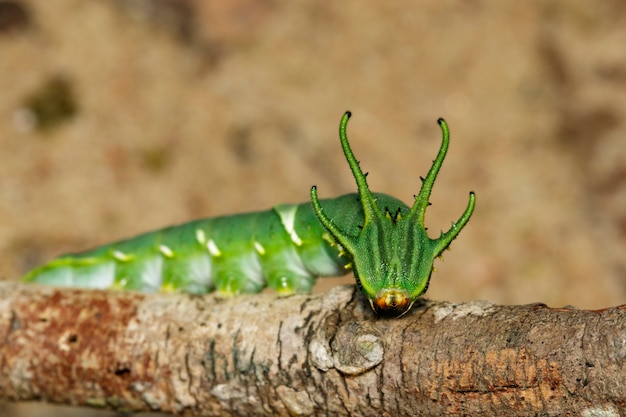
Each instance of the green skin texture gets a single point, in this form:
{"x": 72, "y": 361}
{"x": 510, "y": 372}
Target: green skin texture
{"x": 284, "y": 248}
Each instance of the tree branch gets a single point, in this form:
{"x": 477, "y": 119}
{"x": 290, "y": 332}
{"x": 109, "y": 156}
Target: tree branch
{"x": 320, "y": 354}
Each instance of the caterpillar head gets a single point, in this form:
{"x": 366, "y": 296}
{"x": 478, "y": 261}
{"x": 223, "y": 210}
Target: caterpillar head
{"x": 392, "y": 255}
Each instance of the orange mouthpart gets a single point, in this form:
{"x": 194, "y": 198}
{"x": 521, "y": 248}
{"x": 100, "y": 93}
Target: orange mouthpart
{"x": 393, "y": 300}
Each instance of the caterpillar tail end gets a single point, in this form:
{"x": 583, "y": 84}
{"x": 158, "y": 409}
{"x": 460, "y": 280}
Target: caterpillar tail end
{"x": 70, "y": 272}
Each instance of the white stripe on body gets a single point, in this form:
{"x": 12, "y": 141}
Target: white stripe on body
{"x": 199, "y": 271}
{"x": 287, "y": 215}
{"x": 152, "y": 274}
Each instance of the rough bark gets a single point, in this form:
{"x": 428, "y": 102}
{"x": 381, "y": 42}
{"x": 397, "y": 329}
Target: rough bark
{"x": 307, "y": 355}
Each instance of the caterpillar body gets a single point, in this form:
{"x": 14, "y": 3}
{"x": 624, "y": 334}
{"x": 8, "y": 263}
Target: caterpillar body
{"x": 285, "y": 248}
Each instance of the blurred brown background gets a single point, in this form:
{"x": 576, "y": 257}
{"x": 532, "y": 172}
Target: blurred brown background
{"x": 120, "y": 116}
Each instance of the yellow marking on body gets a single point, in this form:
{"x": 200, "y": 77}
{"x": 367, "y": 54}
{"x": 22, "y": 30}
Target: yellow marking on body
{"x": 166, "y": 251}
{"x": 121, "y": 256}
{"x": 213, "y": 249}
{"x": 328, "y": 238}
{"x": 259, "y": 248}
{"x": 200, "y": 236}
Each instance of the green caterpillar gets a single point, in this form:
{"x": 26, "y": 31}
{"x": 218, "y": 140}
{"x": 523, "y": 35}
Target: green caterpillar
{"x": 377, "y": 236}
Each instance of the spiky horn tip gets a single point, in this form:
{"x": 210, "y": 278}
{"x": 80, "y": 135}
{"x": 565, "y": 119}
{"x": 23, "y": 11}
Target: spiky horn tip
{"x": 370, "y": 208}
{"x": 446, "y": 238}
{"x": 422, "y": 198}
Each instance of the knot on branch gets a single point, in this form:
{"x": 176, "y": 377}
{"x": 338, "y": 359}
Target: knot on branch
{"x": 357, "y": 348}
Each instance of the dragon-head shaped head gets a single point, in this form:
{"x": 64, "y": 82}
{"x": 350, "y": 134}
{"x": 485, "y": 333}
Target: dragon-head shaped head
{"x": 392, "y": 255}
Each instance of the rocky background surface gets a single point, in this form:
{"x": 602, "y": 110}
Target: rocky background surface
{"x": 121, "y": 116}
